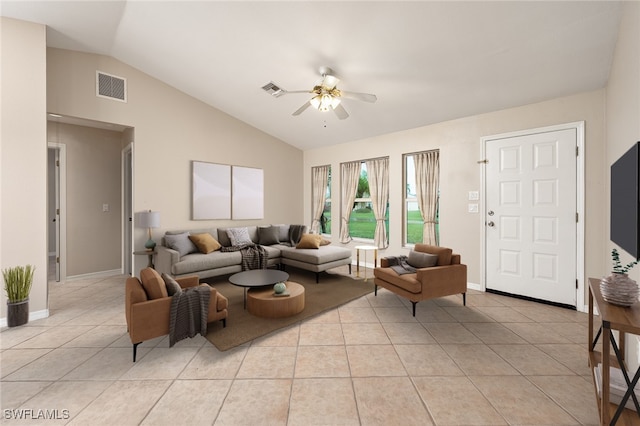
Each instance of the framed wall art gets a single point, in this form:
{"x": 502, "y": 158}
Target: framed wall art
{"x": 211, "y": 191}
{"x": 248, "y": 193}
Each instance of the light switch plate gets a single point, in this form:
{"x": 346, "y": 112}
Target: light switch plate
{"x": 474, "y": 195}
{"x": 473, "y": 208}
{"x": 105, "y": 207}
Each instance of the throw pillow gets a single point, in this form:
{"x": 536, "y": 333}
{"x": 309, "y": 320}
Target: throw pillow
{"x": 239, "y": 236}
{"x": 422, "y": 260}
{"x": 325, "y": 242}
{"x": 153, "y": 284}
{"x": 205, "y": 242}
{"x": 180, "y": 243}
{"x": 283, "y": 232}
{"x": 309, "y": 241}
{"x": 268, "y": 235}
{"x": 172, "y": 285}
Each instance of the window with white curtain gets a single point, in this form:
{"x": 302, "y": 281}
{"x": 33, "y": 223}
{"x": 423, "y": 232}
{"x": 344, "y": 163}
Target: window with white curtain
{"x": 362, "y": 223}
{"x": 413, "y": 219}
{"x": 325, "y": 219}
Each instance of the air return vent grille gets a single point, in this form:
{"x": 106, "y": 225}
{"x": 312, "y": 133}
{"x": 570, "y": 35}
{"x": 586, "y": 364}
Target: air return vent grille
{"x": 111, "y": 86}
{"x": 272, "y": 89}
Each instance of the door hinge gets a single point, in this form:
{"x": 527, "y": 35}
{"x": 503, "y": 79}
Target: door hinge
{"x": 58, "y": 259}
{"x": 58, "y": 212}
{"x": 577, "y": 151}
{"x": 57, "y": 163}
{"x": 577, "y": 217}
{"x": 576, "y": 283}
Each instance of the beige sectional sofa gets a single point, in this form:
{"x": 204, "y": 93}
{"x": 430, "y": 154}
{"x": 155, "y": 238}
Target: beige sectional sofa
{"x": 178, "y": 256}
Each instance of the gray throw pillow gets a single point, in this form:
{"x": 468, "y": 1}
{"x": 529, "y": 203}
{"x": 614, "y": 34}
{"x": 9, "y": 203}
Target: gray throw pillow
{"x": 268, "y": 235}
{"x": 422, "y": 260}
{"x": 181, "y": 243}
{"x": 172, "y": 285}
{"x": 239, "y": 236}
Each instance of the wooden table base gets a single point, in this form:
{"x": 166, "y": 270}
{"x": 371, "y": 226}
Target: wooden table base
{"x": 262, "y": 303}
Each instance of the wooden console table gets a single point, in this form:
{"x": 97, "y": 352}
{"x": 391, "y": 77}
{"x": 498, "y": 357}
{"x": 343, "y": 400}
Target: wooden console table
{"x": 624, "y": 320}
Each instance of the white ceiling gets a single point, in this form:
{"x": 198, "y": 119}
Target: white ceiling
{"x": 426, "y": 61}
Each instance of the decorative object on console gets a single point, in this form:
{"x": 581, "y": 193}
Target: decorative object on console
{"x": 148, "y": 220}
{"x": 618, "y": 288}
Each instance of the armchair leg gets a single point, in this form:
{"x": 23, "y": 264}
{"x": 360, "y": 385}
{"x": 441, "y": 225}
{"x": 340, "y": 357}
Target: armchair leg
{"x": 464, "y": 299}
{"x": 414, "y": 308}
{"x": 135, "y": 350}
{"x": 224, "y": 323}
{"x": 317, "y": 277}
{"x": 375, "y": 290}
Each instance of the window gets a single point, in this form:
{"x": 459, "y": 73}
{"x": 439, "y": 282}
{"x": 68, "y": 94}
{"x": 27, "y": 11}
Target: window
{"x": 414, "y": 222}
{"x": 325, "y": 219}
{"x": 362, "y": 223}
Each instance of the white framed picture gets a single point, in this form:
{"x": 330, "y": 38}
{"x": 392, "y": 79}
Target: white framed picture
{"x": 211, "y": 191}
{"x": 248, "y": 193}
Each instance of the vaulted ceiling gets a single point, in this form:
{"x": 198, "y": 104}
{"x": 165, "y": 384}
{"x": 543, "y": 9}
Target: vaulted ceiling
{"x": 426, "y": 61}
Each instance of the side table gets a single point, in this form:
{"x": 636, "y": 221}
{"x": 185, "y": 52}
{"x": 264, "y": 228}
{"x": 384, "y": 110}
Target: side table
{"x": 365, "y": 249}
{"x": 147, "y": 253}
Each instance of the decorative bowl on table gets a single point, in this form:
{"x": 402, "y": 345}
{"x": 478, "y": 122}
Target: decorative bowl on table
{"x": 619, "y": 289}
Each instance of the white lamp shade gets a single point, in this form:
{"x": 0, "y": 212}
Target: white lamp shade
{"x": 148, "y": 219}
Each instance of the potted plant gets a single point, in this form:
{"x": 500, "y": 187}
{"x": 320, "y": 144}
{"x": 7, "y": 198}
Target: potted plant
{"x": 17, "y": 286}
{"x": 618, "y": 288}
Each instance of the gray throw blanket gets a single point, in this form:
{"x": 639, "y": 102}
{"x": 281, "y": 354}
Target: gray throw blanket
{"x": 400, "y": 265}
{"x": 189, "y": 313}
{"x": 295, "y": 233}
{"x": 254, "y": 256}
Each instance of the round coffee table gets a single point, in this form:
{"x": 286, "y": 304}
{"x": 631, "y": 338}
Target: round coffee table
{"x": 257, "y": 278}
{"x": 262, "y": 302}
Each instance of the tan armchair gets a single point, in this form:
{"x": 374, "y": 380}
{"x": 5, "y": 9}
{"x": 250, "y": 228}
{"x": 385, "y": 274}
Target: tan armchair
{"x": 148, "y": 306}
{"x": 448, "y": 277}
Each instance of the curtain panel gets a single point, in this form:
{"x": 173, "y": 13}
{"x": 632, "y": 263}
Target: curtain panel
{"x": 427, "y": 168}
{"x": 378, "y": 177}
{"x": 319, "y": 179}
{"x": 349, "y": 176}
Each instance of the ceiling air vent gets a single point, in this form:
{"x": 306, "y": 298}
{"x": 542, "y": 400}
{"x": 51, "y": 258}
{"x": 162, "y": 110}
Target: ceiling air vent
{"x": 272, "y": 89}
{"x": 111, "y": 86}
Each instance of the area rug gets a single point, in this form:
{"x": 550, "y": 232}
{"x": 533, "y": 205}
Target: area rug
{"x": 333, "y": 290}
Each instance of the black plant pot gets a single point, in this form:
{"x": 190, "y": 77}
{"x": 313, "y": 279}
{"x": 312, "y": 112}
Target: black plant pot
{"x": 17, "y": 313}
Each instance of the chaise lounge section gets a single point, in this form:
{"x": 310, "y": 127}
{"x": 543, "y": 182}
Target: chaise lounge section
{"x": 178, "y": 256}
{"x": 446, "y": 278}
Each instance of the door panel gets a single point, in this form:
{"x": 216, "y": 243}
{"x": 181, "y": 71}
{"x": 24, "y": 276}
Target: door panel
{"x": 531, "y": 206}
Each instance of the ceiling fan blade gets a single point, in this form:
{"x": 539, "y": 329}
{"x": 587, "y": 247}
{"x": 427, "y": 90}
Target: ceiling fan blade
{"x": 340, "y": 112}
{"x": 366, "y": 97}
{"x": 302, "y": 108}
{"x": 288, "y": 92}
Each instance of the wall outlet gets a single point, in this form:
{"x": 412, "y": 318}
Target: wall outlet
{"x": 473, "y": 208}
{"x": 105, "y": 207}
{"x": 474, "y": 195}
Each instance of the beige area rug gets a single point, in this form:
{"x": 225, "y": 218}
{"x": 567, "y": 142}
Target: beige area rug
{"x": 333, "y": 290}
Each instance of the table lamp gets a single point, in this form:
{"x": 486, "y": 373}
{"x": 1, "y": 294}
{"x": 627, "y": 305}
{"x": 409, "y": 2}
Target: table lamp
{"x": 148, "y": 220}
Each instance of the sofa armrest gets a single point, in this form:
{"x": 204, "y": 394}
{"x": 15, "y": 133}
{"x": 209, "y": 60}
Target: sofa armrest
{"x": 165, "y": 259}
{"x": 190, "y": 281}
{"x": 443, "y": 280}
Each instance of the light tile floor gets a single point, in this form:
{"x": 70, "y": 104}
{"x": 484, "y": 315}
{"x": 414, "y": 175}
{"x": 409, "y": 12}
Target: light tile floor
{"x": 497, "y": 361}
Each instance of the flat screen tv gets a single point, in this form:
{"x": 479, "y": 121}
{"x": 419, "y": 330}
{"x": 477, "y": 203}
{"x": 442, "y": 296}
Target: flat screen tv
{"x": 625, "y": 201}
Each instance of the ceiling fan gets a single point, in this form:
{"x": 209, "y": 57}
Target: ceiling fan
{"x": 328, "y": 97}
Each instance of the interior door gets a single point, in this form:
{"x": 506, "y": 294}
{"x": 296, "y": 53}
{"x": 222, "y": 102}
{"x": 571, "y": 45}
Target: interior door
{"x": 56, "y": 218}
{"x": 530, "y": 231}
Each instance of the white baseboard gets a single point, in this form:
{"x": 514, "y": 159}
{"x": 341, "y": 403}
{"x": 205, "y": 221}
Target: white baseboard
{"x": 32, "y": 316}
{"x": 101, "y": 274}
{"x": 474, "y": 286}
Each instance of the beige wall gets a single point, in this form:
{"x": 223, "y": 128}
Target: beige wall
{"x": 23, "y": 156}
{"x": 172, "y": 129}
{"x": 623, "y": 127}
{"x": 93, "y": 178}
{"x": 460, "y": 149}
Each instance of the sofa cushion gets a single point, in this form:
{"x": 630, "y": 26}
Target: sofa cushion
{"x": 153, "y": 284}
{"x": 325, "y": 254}
{"x": 172, "y": 285}
{"x": 268, "y": 235}
{"x": 309, "y": 241}
{"x": 273, "y": 251}
{"x": 422, "y": 260}
{"x": 408, "y": 282}
{"x": 205, "y": 242}
{"x": 197, "y": 262}
{"x": 180, "y": 243}
{"x": 444, "y": 254}
{"x": 239, "y": 236}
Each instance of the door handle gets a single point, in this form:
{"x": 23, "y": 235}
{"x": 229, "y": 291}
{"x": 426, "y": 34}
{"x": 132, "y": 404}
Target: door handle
{"x": 491, "y": 224}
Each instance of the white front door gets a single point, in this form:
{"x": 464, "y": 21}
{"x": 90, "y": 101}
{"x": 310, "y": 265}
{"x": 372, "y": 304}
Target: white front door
{"x": 530, "y": 216}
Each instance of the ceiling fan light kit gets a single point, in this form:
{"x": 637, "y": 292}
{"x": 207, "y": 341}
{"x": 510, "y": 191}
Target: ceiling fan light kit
{"x": 326, "y": 95}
